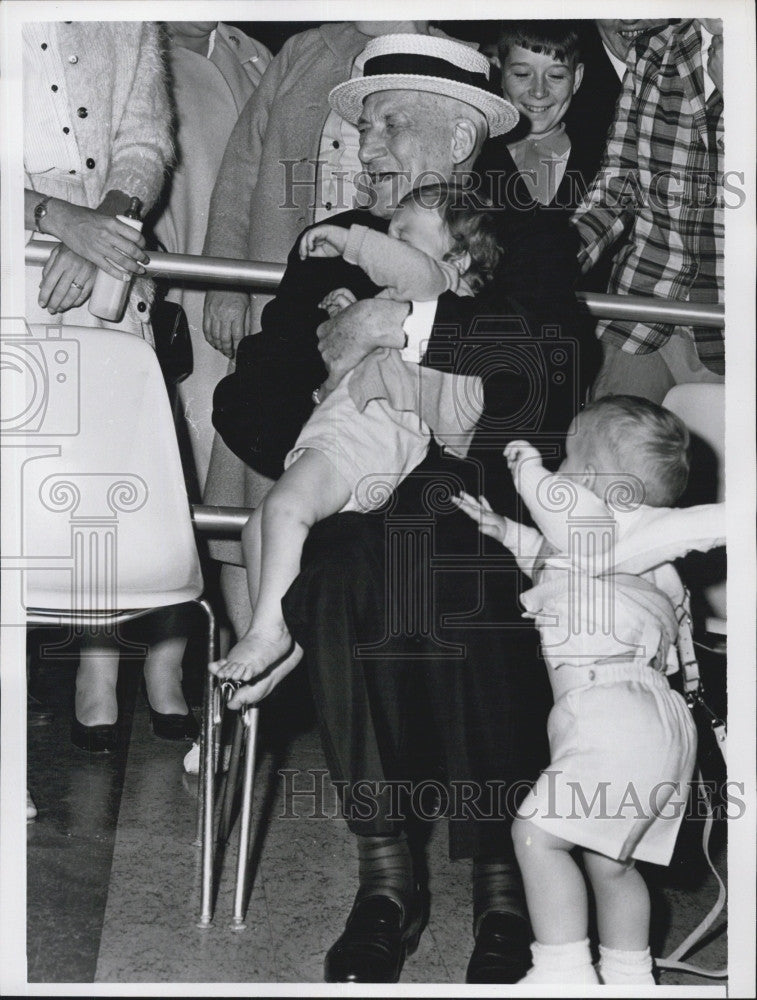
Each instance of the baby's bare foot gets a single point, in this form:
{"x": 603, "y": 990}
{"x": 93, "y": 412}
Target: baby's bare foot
{"x": 254, "y": 653}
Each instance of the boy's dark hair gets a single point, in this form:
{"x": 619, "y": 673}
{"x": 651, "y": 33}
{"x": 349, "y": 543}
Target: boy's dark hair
{"x": 471, "y": 223}
{"x": 558, "y": 39}
{"x": 646, "y": 440}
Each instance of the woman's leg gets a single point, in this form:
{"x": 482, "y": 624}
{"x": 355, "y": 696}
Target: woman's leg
{"x": 309, "y": 491}
{"x": 163, "y": 674}
{"x": 95, "y": 702}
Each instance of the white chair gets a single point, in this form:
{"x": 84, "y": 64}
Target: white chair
{"x": 702, "y": 408}
{"x": 106, "y": 529}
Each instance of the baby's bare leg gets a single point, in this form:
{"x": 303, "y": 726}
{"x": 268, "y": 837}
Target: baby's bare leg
{"x": 272, "y": 542}
{"x": 622, "y": 900}
{"x": 555, "y": 888}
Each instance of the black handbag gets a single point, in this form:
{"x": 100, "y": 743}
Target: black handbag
{"x": 173, "y": 342}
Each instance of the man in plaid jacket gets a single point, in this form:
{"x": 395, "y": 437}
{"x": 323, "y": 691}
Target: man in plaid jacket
{"x": 661, "y": 182}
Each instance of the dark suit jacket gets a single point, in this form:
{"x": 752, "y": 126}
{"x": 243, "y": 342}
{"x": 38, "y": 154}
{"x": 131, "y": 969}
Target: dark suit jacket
{"x": 593, "y": 106}
{"x": 519, "y": 334}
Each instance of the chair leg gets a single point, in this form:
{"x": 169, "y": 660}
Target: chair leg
{"x": 251, "y": 722}
{"x": 230, "y": 786}
{"x": 207, "y": 793}
{"x": 207, "y": 776}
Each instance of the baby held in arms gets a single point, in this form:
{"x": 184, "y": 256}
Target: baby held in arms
{"x": 375, "y": 427}
{"x": 607, "y": 602}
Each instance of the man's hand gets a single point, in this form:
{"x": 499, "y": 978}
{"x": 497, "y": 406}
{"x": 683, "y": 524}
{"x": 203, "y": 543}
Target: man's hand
{"x": 100, "y": 238}
{"x": 489, "y": 523}
{"x": 227, "y": 317}
{"x": 323, "y": 241}
{"x": 351, "y": 336}
{"x": 67, "y": 280}
{"x": 517, "y": 452}
{"x": 337, "y": 301}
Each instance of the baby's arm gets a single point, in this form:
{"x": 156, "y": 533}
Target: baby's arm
{"x": 523, "y": 542}
{"x": 669, "y": 533}
{"x": 407, "y": 274}
{"x": 562, "y": 508}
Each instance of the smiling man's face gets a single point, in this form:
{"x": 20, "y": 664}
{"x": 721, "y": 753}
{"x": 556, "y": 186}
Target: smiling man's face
{"x": 619, "y": 35}
{"x": 405, "y": 137}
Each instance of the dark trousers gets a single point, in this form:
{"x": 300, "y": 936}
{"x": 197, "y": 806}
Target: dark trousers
{"x": 420, "y": 664}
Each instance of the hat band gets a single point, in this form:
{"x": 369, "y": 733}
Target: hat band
{"x": 412, "y": 64}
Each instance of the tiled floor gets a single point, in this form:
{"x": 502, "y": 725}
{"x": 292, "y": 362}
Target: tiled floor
{"x": 113, "y": 871}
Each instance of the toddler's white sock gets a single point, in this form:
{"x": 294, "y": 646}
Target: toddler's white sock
{"x": 625, "y": 968}
{"x": 561, "y": 963}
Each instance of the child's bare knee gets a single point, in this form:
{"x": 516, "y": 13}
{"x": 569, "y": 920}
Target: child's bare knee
{"x": 523, "y": 837}
{"x": 599, "y": 866}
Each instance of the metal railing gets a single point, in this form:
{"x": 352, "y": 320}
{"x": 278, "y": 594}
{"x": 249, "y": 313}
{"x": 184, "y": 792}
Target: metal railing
{"x": 266, "y": 276}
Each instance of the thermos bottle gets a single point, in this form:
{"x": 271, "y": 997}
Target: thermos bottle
{"x": 109, "y": 294}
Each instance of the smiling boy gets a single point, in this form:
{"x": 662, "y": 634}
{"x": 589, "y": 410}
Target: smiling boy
{"x": 541, "y": 71}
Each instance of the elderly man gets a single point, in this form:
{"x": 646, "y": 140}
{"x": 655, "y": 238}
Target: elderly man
{"x": 402, "y": 613}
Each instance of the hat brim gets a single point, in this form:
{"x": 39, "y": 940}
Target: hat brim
{"x": 347, "y": 98}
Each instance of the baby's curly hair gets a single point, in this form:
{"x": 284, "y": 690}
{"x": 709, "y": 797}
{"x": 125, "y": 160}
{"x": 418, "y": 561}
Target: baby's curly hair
{"x": 472, "y": 227}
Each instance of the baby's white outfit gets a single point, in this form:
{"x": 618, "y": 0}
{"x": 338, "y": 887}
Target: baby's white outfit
{"x": 372, "y": 427}
{"x": 606, "y": 602}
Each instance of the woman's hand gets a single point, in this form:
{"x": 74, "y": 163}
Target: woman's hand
{"x": 97, "y": 237}
{"x": 67, "y": 281}
{"x": 323, "y": 241}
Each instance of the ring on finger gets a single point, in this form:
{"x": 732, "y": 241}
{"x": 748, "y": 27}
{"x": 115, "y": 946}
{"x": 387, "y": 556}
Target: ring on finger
{"x": 77, "y": 285}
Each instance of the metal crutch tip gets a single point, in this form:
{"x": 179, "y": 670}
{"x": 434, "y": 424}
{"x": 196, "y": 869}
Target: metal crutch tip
{"x": 237, "y": 925}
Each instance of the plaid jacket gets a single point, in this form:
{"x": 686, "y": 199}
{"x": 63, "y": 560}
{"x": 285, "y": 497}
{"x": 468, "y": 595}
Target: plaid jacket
{"x": 661, "y": 183}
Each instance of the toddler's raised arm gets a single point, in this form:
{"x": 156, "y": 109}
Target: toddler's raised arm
{"x": 563, "y": 508}
{"x": 523, "y": 542}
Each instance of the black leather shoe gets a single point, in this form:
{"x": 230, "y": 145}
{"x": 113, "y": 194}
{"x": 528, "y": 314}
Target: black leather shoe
{"x": 94, "y": 739}
{"x": 502, "y": 953}
{"x": 375, "y": 941}
{"x": 174, "y": 727}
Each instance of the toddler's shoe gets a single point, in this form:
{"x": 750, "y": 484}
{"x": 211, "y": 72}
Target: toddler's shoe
{"x": 192, "y": 758}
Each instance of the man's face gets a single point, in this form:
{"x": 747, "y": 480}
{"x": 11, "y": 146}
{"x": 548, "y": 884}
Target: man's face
{"x": 619, "y": 35}
{"x": 539, "y": 86}
{"x": 405, "y": 138}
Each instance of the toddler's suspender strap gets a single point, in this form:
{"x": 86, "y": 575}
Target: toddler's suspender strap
{"x": 693, "y": 690}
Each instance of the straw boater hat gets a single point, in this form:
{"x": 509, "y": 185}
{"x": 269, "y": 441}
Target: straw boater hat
{"x": 424, "y": 62}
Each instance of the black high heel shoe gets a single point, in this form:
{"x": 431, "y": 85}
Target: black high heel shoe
{"x": 173, "y": 726}
{"x": 94, "y": 739}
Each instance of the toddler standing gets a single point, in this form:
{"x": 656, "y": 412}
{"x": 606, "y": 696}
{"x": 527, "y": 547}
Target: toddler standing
{"x": 607, "y": 602}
